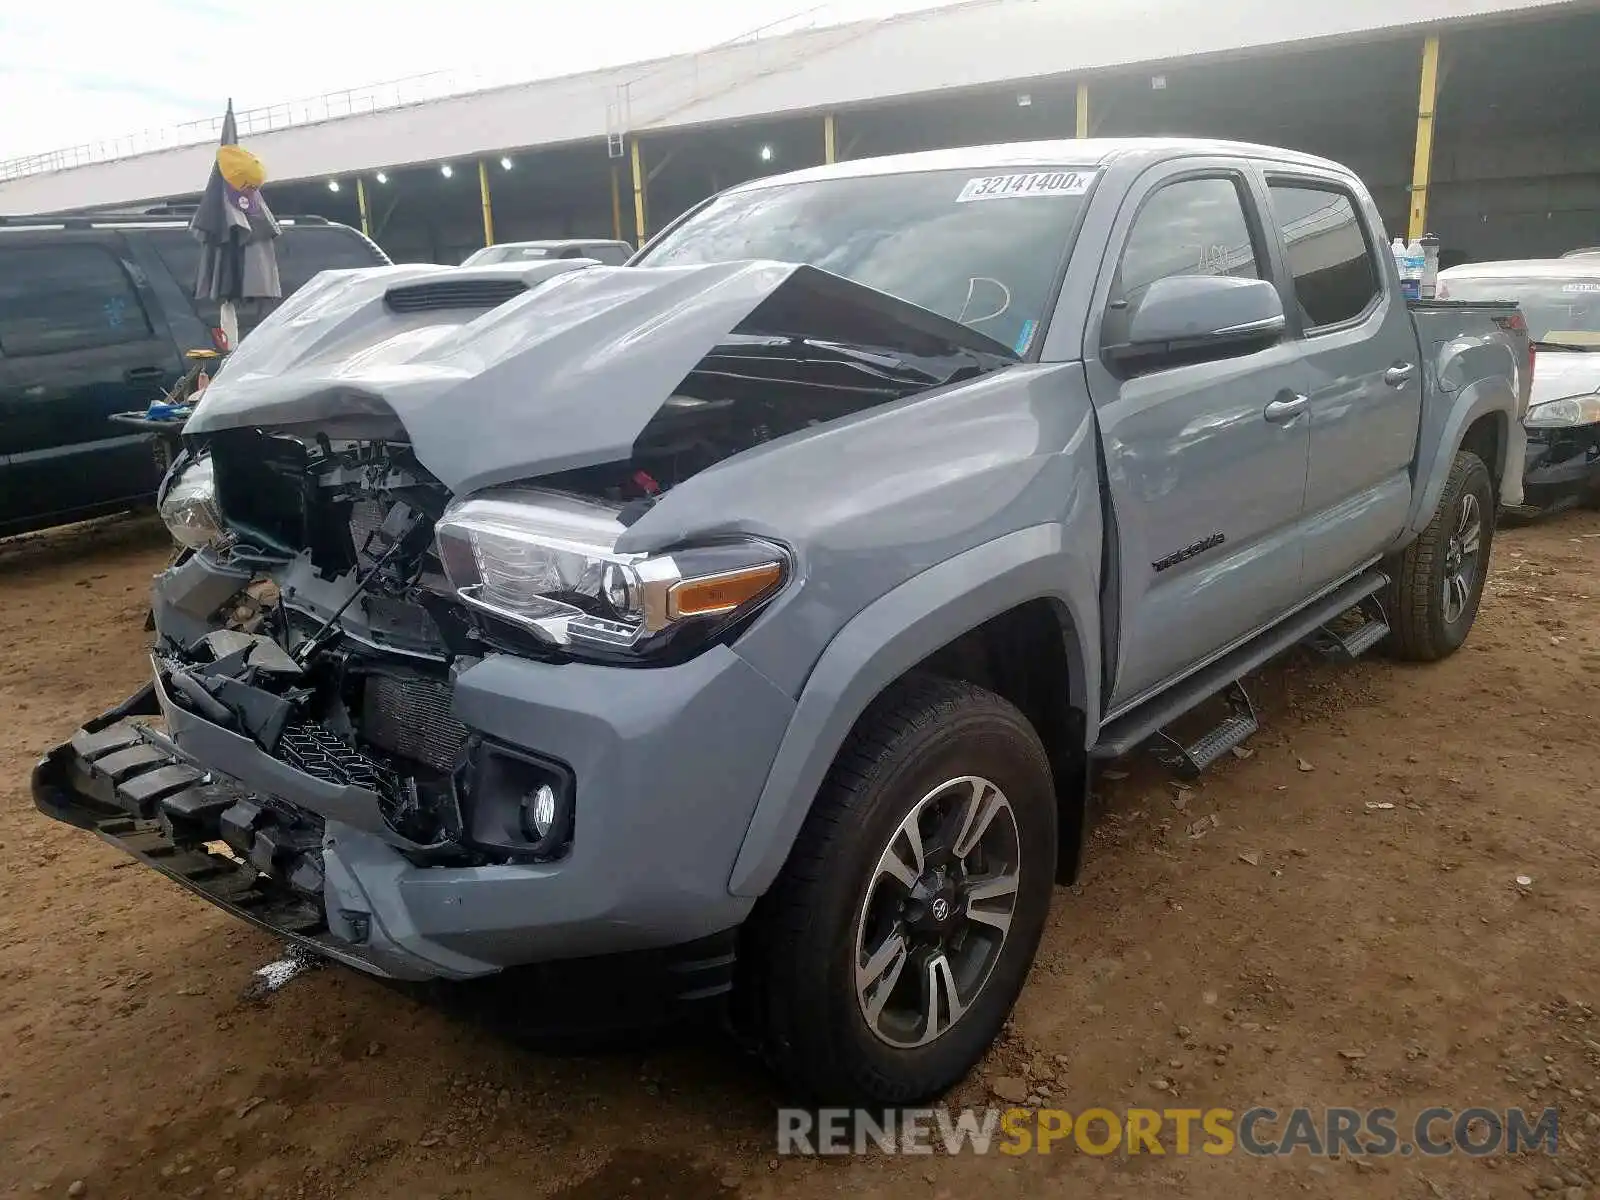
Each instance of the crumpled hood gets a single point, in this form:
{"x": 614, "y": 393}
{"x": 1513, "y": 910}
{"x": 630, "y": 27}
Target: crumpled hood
{"x": 500, "y": 373}
{"x": 1562, "y": 373}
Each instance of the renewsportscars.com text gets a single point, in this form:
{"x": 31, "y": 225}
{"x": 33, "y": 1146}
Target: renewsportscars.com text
{"x": 1259, "y": 1131}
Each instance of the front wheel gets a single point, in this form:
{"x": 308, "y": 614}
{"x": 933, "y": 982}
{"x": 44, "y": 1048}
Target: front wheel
{"x": 1437, "y": 583}
{"x": 898, "y": 937}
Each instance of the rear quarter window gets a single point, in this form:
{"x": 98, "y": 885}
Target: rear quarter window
{"x": 303, "y": 252}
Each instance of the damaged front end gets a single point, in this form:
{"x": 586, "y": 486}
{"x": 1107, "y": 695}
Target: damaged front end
{"x": 412, "y": 706}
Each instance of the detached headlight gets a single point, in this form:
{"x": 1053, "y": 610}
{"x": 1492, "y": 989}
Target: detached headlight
{"x": 1560, "y": 414}
{"x": 189, "y": 506}
{"x": 547, "y": 562}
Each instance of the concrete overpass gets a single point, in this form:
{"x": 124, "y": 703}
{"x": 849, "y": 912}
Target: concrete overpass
{"x": 623, "y": 150}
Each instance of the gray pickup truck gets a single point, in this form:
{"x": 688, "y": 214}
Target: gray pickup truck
{"x": 760, "y": 608}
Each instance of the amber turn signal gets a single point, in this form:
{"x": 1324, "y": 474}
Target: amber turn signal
{"x": 713, "y": 595}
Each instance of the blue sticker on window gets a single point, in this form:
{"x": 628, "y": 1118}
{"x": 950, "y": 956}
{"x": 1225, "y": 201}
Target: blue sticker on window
{"x": 1025, "y": 338}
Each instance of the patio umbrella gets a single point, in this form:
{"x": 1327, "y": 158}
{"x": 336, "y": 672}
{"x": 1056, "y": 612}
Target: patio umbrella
{"x": 236, "y": 231}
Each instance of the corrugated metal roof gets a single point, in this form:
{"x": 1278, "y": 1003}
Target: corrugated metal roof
{"x": 984, "y": 43}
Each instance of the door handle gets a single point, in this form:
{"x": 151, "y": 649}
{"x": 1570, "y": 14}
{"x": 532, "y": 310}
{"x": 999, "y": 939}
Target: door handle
{"x": 144, "y": 375}
{"x": 1286, "y": 408}
{"x": 1399, "y": 375}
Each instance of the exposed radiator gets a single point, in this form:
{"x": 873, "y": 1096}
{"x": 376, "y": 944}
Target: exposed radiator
{"x": 409, "y": 716}
{"x": 365, "y": 518}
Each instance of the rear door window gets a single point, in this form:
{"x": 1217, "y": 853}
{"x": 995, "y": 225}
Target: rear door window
{"x": 1335, "y": 277}
{"x": 64, "y": 297}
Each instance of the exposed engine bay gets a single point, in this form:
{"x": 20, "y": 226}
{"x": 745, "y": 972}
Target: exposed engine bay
{"x": 341, "y": 670}
{"x": 752, "y": 389}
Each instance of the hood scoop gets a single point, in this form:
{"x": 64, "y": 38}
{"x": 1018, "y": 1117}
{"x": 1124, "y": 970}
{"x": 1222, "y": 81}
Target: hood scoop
{"x": 453, "y": 293}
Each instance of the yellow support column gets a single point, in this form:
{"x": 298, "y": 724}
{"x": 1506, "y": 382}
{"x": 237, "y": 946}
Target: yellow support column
{"x": 638, "y": 192}
{"x": 830, "y": 139}
{"x": 488, "y": 208}
{"x": 1083, "y": 109}
{"x": 616, "y": 204}
{"x": 1422, "y": 166}
{"x": 361, "y": 204}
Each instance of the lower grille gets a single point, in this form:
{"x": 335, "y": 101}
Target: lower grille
{"x": 409, "y": 716}
{"x": 319, "y": 752}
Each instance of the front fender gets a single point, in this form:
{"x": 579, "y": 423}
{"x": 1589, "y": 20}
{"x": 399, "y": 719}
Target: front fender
{"x": 1057, "y": 562}
{"x": 1482, "y": 397}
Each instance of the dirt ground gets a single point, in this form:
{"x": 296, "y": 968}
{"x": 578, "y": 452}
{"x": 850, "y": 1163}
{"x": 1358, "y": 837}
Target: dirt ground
{"x": 1311, "y": 947}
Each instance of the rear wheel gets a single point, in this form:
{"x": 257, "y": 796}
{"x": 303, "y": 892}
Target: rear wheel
{"x": 1437, "y": 584}
{"x": 895, "y": 942}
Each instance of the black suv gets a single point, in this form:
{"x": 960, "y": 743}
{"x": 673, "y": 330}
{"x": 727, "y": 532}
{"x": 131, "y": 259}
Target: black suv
{"x": 96, "y": 315}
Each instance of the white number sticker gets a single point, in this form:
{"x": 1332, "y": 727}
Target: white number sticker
{"x": 1039, "y": 183}
{"x": 1587, "y": 286}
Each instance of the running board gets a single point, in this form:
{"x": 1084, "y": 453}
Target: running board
{"x": 1233, "y": 730}
{"x": 1345, "y": 646}
{"x": 1132, "y": 729}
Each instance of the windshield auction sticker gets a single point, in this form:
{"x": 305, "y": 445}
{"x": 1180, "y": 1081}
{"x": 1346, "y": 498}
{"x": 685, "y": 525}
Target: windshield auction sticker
{"x": 1016, "y": 187}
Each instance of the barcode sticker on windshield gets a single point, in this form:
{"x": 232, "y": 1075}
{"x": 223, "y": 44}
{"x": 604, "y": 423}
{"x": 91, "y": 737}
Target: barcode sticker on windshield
{"x": 1040, "y": 183}
{"x": 1591, "y": 285}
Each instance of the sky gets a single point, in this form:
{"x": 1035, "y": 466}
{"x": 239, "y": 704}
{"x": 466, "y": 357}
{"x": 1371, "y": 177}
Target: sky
{"x": 160, "y": 63}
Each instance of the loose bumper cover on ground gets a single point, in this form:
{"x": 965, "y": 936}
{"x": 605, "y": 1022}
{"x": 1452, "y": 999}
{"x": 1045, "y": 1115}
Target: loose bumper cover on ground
{"x": 315, "y": 863}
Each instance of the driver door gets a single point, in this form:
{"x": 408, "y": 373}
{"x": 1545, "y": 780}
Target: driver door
{"x": 1207, "y": 482}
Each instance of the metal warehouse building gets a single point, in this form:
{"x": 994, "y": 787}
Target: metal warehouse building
{"x": 1477, "y": 119}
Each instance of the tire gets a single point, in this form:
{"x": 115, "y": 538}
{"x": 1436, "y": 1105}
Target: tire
{"x": 1426, "y": 624}
{"x": 918, "y": 749}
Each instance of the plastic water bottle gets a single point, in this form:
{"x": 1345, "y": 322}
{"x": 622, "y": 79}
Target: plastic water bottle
{"x": 1408, "y": 259}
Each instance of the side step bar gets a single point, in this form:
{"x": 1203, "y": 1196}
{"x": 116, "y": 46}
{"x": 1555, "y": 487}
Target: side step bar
{"x": 1131, "y": 730}
{"x": 1347, "y": 645}
{"x": 1233, "y": 730}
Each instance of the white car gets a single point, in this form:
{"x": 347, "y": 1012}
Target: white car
{"x": 1560, "y": 299}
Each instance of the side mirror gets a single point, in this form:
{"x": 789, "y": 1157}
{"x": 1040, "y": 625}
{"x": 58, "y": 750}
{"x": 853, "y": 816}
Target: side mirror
{"x": 1191, "y": 318}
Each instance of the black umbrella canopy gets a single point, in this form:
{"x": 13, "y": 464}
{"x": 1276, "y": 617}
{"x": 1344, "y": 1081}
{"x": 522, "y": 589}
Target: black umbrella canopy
{"x": 236, "y": 230}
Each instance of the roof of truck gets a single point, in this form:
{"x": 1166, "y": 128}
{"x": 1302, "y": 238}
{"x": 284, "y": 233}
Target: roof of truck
{"x": 1084, "y": 154}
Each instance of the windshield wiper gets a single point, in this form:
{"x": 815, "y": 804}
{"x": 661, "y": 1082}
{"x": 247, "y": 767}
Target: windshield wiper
{"x": 890, "y": 366}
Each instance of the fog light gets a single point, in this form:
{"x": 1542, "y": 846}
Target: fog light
{"x": 519, "y": 802}
{"x": 539, "y": 812}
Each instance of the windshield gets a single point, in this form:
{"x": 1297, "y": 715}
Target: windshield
{"x": 498, "y": 254}
{"x": 1559, "y": 311}
{"x": 981, "y": 250}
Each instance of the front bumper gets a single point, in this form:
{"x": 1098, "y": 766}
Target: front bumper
{"x": 668, "y": 765}
{"x": 1562, "y": 466}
